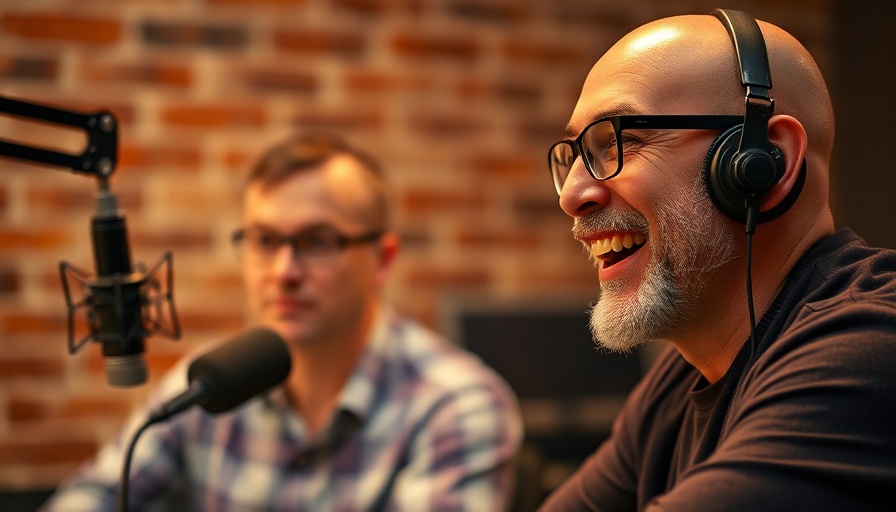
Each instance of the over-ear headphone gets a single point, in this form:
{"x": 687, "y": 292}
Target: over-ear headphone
{"x": 742, "y": 163}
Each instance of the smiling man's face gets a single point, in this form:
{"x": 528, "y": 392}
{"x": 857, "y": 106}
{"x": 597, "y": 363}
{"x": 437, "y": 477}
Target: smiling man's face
{"x": 651, "y": 231}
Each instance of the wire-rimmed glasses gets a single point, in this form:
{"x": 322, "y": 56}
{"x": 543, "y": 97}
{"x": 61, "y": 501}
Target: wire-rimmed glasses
{"x": 311, "y": 245}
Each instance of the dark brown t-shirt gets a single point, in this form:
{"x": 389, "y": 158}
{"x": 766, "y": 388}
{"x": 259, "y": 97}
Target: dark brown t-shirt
{"x": 807, "y": 423}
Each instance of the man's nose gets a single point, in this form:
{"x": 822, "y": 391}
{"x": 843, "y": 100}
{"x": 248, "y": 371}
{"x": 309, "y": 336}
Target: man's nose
{"x": 288, "y": 262}
{"x": 581, "y": 193}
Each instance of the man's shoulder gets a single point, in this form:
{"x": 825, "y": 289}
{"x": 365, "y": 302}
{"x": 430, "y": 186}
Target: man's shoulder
{"x": 839, "y": 316}
{"x": 840, "y": 283}
{"x": 435, "y": 362}
{"x": 844, "y": 263}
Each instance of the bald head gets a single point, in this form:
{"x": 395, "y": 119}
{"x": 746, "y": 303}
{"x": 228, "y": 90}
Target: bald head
{"x": 688, "y": 65}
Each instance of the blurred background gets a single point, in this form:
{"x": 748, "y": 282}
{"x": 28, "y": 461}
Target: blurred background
{"x": 459, "y": 99}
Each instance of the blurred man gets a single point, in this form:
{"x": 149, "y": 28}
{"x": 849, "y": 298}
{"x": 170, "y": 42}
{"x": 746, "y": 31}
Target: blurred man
{"x": 673, "y": 153}
{"x": 376, "y": 414}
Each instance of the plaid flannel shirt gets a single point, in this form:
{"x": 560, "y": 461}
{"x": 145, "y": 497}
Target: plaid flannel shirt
{"x": 420, "y": 425}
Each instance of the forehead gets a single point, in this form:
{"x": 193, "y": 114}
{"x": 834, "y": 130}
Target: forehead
{"x": 334, "y": 193}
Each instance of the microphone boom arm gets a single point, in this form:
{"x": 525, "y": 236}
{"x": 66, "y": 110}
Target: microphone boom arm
{"x": 98, "y": 158}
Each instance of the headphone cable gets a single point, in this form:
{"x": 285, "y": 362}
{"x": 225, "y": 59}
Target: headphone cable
{"x": 752, "y": 214}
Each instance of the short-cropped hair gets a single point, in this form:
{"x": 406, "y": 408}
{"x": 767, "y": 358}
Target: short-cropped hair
{"x": 310, "y": 151}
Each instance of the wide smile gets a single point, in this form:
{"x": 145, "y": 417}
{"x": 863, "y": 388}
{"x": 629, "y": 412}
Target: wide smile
{"x": 608, "y": 249}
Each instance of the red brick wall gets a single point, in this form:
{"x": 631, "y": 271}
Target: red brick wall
{"x": 459, "y": 98}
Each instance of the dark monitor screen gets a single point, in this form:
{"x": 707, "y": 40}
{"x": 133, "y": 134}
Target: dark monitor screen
{"x": 547, "y": 354}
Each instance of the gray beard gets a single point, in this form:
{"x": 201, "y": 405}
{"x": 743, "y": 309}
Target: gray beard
{"x": 694, "y": 243}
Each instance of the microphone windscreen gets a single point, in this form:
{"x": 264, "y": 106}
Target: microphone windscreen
{"x": 244, "y": 366}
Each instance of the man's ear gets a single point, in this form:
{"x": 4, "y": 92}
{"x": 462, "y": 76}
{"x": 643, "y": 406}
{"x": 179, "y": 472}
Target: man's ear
{"x": 387, "y": 248}
{"x": 789, "y": 136}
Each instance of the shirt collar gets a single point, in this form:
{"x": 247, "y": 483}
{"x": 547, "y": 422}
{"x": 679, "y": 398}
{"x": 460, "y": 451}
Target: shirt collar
{"x": 368, "y": 381}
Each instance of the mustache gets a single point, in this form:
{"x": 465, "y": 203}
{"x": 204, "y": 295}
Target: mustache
{"x": 598, "y": 221}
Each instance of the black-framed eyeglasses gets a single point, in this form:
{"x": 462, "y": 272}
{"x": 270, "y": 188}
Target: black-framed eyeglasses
{"x": 602, "y": 142}
{"x": 310, "y": 245}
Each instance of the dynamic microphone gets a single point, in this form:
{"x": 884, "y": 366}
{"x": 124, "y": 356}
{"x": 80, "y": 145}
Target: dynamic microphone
{"x": 247, "y": 365}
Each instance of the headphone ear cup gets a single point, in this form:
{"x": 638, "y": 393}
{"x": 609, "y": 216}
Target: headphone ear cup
{"x": 718, "y": 175}
{"x": 730, "y": 192}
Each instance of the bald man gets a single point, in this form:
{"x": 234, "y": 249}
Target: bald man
{"x": 776, "y": 391}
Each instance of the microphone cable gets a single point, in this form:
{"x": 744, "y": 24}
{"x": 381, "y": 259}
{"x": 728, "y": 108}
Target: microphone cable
{"x": 126, "y": 469}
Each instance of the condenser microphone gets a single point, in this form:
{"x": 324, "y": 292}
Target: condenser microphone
{"x": 122, "y": 307}
{"x": 247, "y": 365}
{"x": 116, "y": 298}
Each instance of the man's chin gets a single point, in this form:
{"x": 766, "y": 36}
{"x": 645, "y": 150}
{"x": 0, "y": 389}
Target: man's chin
{"x": 626, "y": 317}
{"x": 613, "y": 340}
{"x": 293, "y": 333}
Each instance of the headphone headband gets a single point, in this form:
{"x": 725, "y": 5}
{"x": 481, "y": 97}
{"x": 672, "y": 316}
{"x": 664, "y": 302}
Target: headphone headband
{"x": 752, "y": 58}
{"x": 755, "y": 76}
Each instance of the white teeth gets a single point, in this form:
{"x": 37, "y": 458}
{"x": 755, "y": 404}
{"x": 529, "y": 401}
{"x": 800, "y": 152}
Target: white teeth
{"x": 616, "y": 243}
